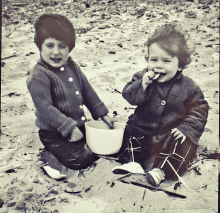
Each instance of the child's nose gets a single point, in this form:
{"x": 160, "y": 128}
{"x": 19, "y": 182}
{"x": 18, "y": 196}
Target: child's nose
{"x": 56, "y": 51}
{"x": 159, "y": 65}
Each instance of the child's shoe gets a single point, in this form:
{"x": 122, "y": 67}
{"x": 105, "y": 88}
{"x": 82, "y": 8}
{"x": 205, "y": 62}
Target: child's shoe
{"x": 155, "y": 176}
{"x": 132, "y": 167}
{"x": 53, "y": 173}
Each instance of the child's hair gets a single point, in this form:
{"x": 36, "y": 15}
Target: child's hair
{"x": 173, "y": 40}
{"x": 54, "y": 26}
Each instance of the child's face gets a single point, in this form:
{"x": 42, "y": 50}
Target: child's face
{"x": 163, "y": 63}
{"x": 54, "y": 52}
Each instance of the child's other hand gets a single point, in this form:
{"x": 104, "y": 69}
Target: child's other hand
{"x": 147, "y": 78}
{"x": 177, "y": 134}
{"x": 109, "y": 120}
{"x": 76, "y": 135}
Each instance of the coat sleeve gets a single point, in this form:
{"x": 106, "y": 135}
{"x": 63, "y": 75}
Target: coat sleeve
{"x": 91, "y": 100}
{"x": 133, "y": 91}
{"x": 196, "y": 117}
{"x": 40, "y": 88}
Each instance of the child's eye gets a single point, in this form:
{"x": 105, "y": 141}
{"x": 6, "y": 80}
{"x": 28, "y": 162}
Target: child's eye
{"x": 167, "y": 60}
{"x": 153, "y": 59}
{"x": 62, "y": 46}
{"x": 49, "y": 45}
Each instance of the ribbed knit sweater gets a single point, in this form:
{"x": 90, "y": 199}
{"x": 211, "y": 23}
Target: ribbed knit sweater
{"x": 59, "y": 95}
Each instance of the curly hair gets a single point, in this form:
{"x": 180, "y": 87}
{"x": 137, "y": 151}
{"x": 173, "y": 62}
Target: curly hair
{"x": 173, "y": 40}
{"x": 54, "y": 26}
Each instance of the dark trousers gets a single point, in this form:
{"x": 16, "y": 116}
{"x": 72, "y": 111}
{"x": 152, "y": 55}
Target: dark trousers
{"x": 74, "y": 155}
{"x": 165, "y": 153}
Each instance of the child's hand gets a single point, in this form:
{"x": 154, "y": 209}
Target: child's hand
{"x": 76, "y": 135}
{"x": 177, "y": 134}
{"x": 109, "y": 120}
{"x": 147, "y": 78}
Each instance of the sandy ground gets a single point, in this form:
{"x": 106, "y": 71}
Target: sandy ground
{"x": 110, "y": 49}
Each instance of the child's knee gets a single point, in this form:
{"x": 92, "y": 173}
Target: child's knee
{"x": 81, "y": 161}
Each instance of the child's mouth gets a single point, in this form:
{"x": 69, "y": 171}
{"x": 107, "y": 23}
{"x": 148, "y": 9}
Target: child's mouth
{"x": 162, "y": 74}
{"x": 157, "y": 75}
{"x": 56, "y": 60}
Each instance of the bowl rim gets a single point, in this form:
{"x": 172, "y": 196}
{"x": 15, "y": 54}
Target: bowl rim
{"x": 86, "y": 124}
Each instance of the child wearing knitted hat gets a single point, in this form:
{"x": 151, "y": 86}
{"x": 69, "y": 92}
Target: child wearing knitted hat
{"x": 162, "y": 134}
{"x": 59, "y": 89}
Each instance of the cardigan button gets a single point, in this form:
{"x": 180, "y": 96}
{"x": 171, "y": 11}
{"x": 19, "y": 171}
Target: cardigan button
{"x": 83, "y": 118}
{"x": 80, "y": 106}
{"x": 62, "y": 69}
{"x": 163, "y": 102}
{"x": 70, "y": 79}
{"x": 77, "y": 92}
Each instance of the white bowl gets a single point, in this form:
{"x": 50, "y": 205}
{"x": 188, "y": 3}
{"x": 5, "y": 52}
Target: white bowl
{"x": 101, "y": 139}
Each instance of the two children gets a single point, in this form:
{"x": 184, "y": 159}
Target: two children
{"x": 162, "y": 134}
{"x": 59, "y": 90}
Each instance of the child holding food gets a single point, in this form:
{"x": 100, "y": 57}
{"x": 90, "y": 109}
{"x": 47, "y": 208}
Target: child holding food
{"x": 163, "y": 133}
{"x": 59, "y": 90}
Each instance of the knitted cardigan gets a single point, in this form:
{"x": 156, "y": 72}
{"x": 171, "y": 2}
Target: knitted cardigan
{"x": 59, "y": 95}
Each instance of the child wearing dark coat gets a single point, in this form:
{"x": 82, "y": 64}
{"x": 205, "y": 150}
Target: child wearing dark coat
{"x": 59, "y": 90}
{"x": 163, "y": 133}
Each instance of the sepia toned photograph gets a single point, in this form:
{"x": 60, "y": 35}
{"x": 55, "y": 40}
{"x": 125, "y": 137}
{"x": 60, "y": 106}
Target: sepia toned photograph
{"x": 109, "y": 106}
